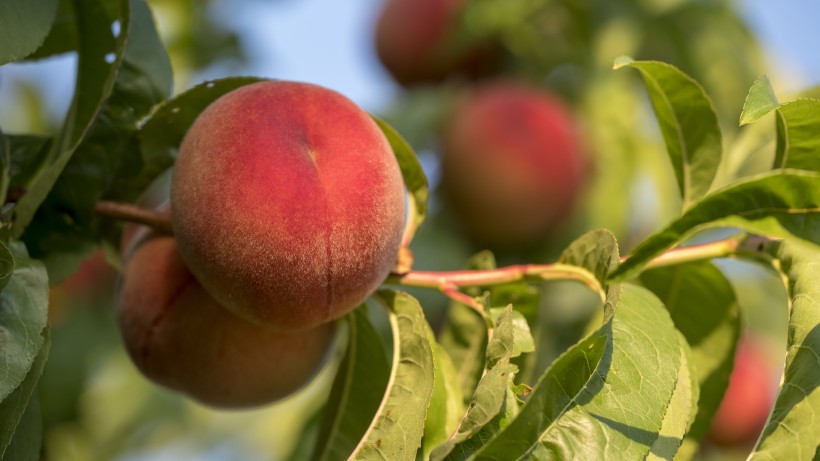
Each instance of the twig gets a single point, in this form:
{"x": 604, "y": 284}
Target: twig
{"x": 134, "y": 214}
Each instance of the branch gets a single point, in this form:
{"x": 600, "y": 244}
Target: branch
{"x": 132, "y": 213}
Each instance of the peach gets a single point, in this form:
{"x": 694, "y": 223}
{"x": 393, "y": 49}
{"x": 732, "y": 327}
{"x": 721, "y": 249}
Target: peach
{"x": 289, "y": 203}
{"x": 180, "y": 337}
{"x": 513, "y": 165}
{"x": 749, "y": 398}
{"x": 411, "y": 41}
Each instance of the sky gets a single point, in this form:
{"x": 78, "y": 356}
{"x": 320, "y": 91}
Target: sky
{"x": 330, "y": 42}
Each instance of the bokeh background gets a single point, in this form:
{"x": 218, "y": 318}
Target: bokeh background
{"x": 95, "y": 403}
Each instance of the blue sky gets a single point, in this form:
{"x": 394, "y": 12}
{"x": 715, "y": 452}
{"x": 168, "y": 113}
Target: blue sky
{"x": 329, "y": 42}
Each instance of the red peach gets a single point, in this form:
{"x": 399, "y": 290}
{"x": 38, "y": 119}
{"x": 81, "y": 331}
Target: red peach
{"x": 410, "y": 41}
{"x": 180, "y": 337}
{"x": 512, "y": 164}
{"x": 748, "y": 400}
{"x": 289, "y": 203}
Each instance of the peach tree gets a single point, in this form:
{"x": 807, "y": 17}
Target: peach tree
{"x": 642, "y": 378}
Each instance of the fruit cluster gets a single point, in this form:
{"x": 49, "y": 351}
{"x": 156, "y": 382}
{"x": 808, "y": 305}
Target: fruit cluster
{"x": 513, "y": 164}
{"x": 288, "y": 209}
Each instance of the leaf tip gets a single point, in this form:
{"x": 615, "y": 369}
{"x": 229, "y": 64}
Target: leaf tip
{"x": 622, "y": 61}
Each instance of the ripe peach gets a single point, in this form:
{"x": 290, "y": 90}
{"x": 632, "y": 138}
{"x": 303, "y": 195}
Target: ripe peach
{"x": 180, "y": 337}
{"x": 289, "y": 203}
{"x": 512, "y": 163}
{"x": 748, "y": 400}
{"x": 410, "y": 41}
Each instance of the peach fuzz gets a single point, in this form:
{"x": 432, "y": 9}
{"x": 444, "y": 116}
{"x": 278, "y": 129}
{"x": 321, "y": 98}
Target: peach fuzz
{"x": 289, "y": 203}
{"x": 180, "y": 337}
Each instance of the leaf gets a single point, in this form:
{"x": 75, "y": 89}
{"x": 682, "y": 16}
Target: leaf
{"x": 162, "y": 133}
{"x": 609, "y": 397}
{"x": 779, "y": 204}
{"x": 522, "y": 342}
{"x": 23, "y": 315}
{"x": 486, "y": 414}
{"x": 464, "y": 334}
{"x": 14, "y": 411}
{"x": 446, "y": 404}
{"x": 793, "y": 429}
{"x": 688, "y": 123}
{"x": 797, "y": 122}
{"x": 24, "y": 25}
{"x": 414, "y": 178}
{"x": 108, "y": 163}
{"x": 6, "y": 266}
{"x": 704, "y": 308}
{"x": 760, "y": 101}
{"x": 681, "y": 411}
{"x": 100, "y": 55}
{"x": 396, "y": 431}
{"x": 28, "y": 436}
{"x": 357, "y": 391}
{"x": 797, "y": 143}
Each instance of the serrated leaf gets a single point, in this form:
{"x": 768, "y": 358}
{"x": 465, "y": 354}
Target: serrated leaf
{"x": 24, "y": 25}
{"x": 611, "y": 408}
{"x": 6, "y": 264}
{"x": 779, "y": 204}
{"x": 681, "y": 411}
{"x": 793, "y": 429}
{"x": 486, "y": 413}
{"x": 23, "y": 315}
{"x": 688, "y": 123}
{"x": 522, "y": 342}
{"x": 13, "y": 408}
{"x": 100, "y": 55}
{"x": 704, "y": 309}
{"x": 760, "y": 101}
{"x": 464, "y": 334}
{"x": 446, "y": 404}
{"x": 414, "y": 178}
{"x": 396, "y": 431}
{"x": 357, "y": 391}
{"x": 798, "y": 145}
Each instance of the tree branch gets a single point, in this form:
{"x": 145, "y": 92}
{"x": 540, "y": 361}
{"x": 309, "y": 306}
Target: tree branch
{"x": 132, "y": 213}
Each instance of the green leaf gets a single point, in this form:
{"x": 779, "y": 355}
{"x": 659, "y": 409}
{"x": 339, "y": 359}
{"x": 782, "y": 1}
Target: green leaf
{"x": 108, "y": 163}
{"x": 23, "y": 315}
{"x": 6, "y": 265}
{"x": 100, "y": 55}
{"x": 797, "y": 122}
{"x": 704, "y": 309}
{"x": 793, "y": 429}
{"x": 162, "y": 133}
{"x": 414, "y": 178}
{"x": 779, "y": 204}
{"x": 688, "y": 123}
{"x": 446, "y": 404}
{"x": 617, "y": 395}
{"x": 24, "y": 24}
{"x": 797, "y": 143}
{"x": 19, "y": 435}
{"x": 760, "y": 101}
{"x": 681, "y": 411}
{"x": 28, "y": 436}
{"x": 357, "y": 391}
{"x": 396, "y": 431}
{"x": 464, "y": 334}
{"x": 487, "y": 413}
{"x": 522, "y": 342}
